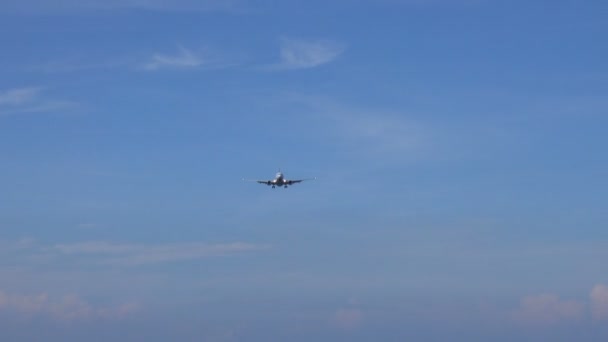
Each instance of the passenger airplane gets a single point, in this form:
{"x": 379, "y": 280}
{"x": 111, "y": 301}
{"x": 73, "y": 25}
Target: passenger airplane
{"x": 280, "y": 181}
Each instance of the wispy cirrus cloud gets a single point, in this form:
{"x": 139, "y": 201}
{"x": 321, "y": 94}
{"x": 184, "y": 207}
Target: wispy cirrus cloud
{"x": 184, "y": 59}
{"x": 75, "y": 6}
{"x": 66, "y": 308}
{"x": 181, "y": 59}
{"x": 139, "y": 254}
{"x": 306, "y": 54}
{"x": 30, "y": 100}
{"x": 121, "y": 254}
{"x": 366, "y": 131}
{"x": 77, "y": 65}
{"x": 19, "y": 96}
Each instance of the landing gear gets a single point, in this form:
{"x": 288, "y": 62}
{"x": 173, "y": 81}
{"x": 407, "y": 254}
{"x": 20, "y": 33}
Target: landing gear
{"x": 285, "y": 186}
{"x": 273, "y": 186}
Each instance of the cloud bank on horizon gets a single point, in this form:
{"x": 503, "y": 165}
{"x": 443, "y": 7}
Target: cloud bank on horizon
{"x": 67, "y": 308}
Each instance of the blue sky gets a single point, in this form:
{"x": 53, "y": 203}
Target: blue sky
{"x": 459, "y": 150}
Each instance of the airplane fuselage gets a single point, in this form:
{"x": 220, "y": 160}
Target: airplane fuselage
{"x": 278, "y": 180}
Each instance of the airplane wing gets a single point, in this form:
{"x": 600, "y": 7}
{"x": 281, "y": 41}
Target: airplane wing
{"x": 267, "y": 182}
{"x": 294, "y": 181}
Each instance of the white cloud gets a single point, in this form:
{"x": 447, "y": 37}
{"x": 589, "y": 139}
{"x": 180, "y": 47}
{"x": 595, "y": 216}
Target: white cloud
{"x": 184, "y": 59}
{"x": 599, "y": 302}
{"x": 298, "y": 54}
{"x": 76, "y": 65}
{"x": 347, "y": 319}
{"x": 548, "y": 309}
{"x": 71, "y": 6}
{"x": 380, "y": 133}
{"x": 121, "y": 254}
{"x": 18, "y": 96}
{"x": 30, "y": 100}
{"x": 167, "y": 5}
{"x": 367, "y": 131}
{"x": 139, "y": 254}
{"x": 68, "y": 307}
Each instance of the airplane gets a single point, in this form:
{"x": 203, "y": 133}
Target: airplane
{"x": 280, "y": 181}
